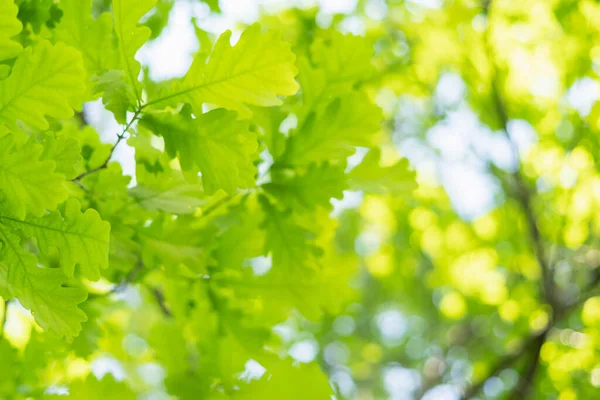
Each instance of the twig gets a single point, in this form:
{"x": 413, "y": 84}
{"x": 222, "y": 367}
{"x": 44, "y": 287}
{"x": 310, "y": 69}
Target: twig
{"x": 160, "y": 300}
{"x": 80, "y": 185}
{"x": 225, "y": 200}
{"x": 120, "y": 137}
{"x": 82, "y": 117}
{"x": 130, "y": 277}
{"x": 501, "y": 365}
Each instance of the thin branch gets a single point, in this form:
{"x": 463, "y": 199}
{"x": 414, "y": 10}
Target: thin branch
{"x": 82, "y": 117}
{"x": 502, "y": 364}
{"x": 524, "y": 196}
{"x": 120, "y": 137}
{"x": 129, "y": 278}
{"x": 80, "y": 185}
{"x": 160, "y": 300}
{"x": 523, "y": 389}
{"x": 534, "y": 340}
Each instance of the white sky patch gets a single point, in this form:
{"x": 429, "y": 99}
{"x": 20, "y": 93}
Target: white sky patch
{"x": 105, "y": 364}
{"x": 442, "y": 392}
{"x": 399, "y": 381}
{"x": 471, "y": 190}
{"x": 171, "y": 54}
{"x": 304, "y": 351}
{"x": 392, "y": 326}
{"x": 583, "y": 94}
{"x": 337, "y": 6}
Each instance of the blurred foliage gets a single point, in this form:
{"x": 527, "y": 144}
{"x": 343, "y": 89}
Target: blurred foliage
{"x": 450, "y": 307}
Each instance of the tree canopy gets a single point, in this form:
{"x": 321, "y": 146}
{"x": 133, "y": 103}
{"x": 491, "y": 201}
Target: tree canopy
{"x": 361, "y": 199}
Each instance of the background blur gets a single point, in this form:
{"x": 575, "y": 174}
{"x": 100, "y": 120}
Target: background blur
{"x": 483, "y": 281}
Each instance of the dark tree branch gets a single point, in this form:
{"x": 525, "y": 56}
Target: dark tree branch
{"x": 523, "y": 389}
{"x": 505, "y": 362}
{"x": 522, "y": 191}
{"x": 82, "y": 117}
{"x": 533, "y": 342}
{"x": 160, "y": 300}
{"x": 524, "y": 196}
{"x": 129, "y": 278}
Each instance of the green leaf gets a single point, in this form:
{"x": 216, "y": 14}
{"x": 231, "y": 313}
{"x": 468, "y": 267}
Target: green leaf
{"x": 345, "y": 59}
{"x": 43, "y": 82}
{"x": 80, "y": 238}
{"x": 333, "y": 133}
{"x": 338, "y": 63}
{"x": 41, "y": 290}
{"x": 175, "y": 242}
{"x": 39, "y": 13}
{"x": 213, "y": 5}
{"x": 315, "y": 187}
{"x": 276, "y": 294}
{"x": 176, "y": 198}
{"x": 9, "y": 28}
{"x": 65, "y": 152}
{"x": 117, "y": 95}
{"x": 92, "y": 37}
{"x": 258, "y": 69}
{"x": 131, "y": 36}
{"x": 290, "y": 244}
{"x": 284, "y": 381}
{"x": 98, "y": 389}
{"x": 9, "y": 369}
{"x": 216, "y": 144}
{"x": 243, "y": 239}
{"x": 30, "y": 185}
{"x": 369, "y": 176}
{"x": 159, "y": 19}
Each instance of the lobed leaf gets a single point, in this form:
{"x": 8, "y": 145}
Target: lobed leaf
{"x": 314, "y": 187}
{"x": 258, "y": 69}
{"x": 44, "y": 80}
{"x": 80, "y": 238}
{"x": 131, "y": 36}
{"x": 92, "y": 37}
{"x": 41, "y": 290}
{"x": 333, "y": 133}
{"x": 222, "y": 148}
{"x": 10, "y": 26}
{"x": 369, "y": 176}
{"x": 30, "y": 185}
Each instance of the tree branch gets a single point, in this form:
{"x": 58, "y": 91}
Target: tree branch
{"x": 524, "y": 197}
{"x": 523, "y": 389}
{"x": 160, "y": 300}
{"x": 502, "y": 364}
{"x": 522, "y": 192}
{"x": 120, "y": 137}
{"x": 534, "y": 340}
